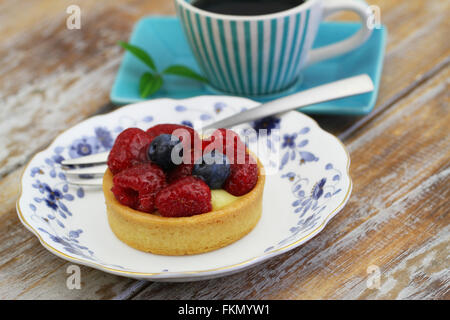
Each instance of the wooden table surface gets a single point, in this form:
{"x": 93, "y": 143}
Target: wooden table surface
{"x": 397, "y": 218}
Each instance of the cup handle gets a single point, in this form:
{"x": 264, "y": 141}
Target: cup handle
{"x": 349, "y": 44}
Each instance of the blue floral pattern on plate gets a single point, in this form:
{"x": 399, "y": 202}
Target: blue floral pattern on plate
{"x": 57, "y": 197}
{"x": 313, "y": 181}
{"x": 311, "y": 198}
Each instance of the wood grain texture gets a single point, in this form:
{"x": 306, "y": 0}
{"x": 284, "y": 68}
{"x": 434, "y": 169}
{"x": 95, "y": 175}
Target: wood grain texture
{"x": 52, "y": 77}
{"x": 29, "y": 271}
{"x": 397, "y": 218}
{"x": 417, "y": 41}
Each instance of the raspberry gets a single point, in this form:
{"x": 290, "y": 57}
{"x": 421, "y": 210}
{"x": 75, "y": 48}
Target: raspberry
{"x": 205, "y": 143}
{"x": 129, "y": 149}
{"x": 243, "y": 177}
{"x": 185, "y": 197}
{"x": 137, "y": 187}
{"x": 168, "y": 128}
{"x": 127, "y": 197}
{"x": 180, "y": 171}
{"x": 227, "y": 142}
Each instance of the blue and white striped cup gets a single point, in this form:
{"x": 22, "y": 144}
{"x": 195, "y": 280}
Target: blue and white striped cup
{"x": 263, "y": 54}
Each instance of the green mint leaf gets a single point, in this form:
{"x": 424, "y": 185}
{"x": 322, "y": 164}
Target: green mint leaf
{"x": 149, "y": 84}
{"x": 183, "y": 71}
{"x": 139, "y": 53}
{"x": 156, "y": 85}
{"x": 145, "y": 84}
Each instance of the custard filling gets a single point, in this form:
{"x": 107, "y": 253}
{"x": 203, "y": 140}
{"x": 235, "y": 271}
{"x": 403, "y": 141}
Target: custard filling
{"x": 220, "y": 198}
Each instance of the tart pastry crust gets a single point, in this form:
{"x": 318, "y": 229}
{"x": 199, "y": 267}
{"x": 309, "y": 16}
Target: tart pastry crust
{"x": 200, "y": 233}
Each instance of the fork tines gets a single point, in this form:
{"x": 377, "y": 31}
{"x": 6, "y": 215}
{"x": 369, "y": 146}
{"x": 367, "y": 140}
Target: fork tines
{"x": 86, "y": 170}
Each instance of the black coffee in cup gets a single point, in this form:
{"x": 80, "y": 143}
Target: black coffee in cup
{"x": 246, "y": 7}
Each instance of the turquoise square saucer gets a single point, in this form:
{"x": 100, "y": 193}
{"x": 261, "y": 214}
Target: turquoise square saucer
{"x": 164, "y": 39}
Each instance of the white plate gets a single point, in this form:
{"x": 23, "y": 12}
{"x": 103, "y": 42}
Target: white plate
{"x": 308, "y": 183}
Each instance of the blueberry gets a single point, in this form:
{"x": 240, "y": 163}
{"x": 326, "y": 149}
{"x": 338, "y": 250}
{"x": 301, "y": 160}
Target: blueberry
{"x": 214, "y": 169}
{"x": 160, "y": 151}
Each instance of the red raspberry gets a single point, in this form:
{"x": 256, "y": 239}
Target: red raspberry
{"x": 184, "y": 169}
{"x": 127, "y": 197}
{"x": 137, "y": 187}
{"x": 129, "y": 149}
{"x": 243, "y": 177}
{"x": 205, "y": 143}
{"x": 185, "y": 197}
{"x": 180, "y": 171}
{"x": 169, "y": 128}
{"x": 227, "y": 142}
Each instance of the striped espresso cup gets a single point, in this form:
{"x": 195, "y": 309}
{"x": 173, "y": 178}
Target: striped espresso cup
{"x": 264, "y": 54}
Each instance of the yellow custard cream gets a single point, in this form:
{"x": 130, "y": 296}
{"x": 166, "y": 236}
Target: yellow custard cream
{"x": 220, "y": 198}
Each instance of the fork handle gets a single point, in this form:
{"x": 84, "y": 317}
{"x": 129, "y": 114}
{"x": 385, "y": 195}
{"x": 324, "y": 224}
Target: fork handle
{"x": 96, "y": 158}
{"x": 330, "y": 91}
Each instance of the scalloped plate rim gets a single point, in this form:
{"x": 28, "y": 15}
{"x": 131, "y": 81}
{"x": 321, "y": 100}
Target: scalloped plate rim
{"x": 187, "y": 275}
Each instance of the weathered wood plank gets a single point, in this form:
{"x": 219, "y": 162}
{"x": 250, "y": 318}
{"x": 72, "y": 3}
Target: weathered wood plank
{"x": 28, "y": 271}
{"x": 417, "y": 42}
{"x": 52, "y": 77}
{"x": 66, "y": 74}
{"x": 50, "y": 81}
{"x": 397, "y": 219}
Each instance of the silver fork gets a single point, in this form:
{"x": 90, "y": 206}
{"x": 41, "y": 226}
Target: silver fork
{"x": 93, "y": 166}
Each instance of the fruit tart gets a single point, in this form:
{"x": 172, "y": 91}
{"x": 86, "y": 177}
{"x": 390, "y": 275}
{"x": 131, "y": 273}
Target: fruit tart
{"x": 170, "y": 192}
